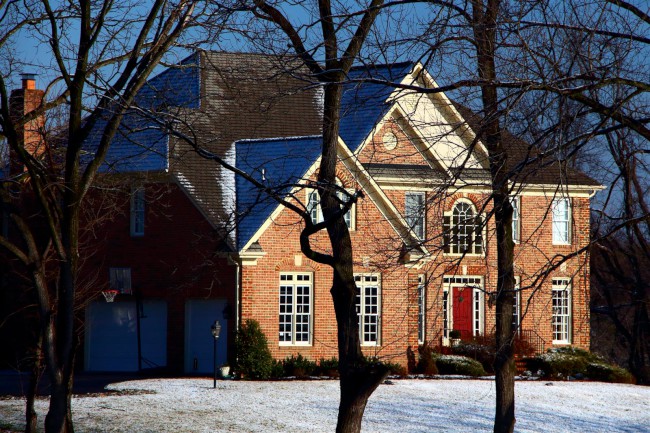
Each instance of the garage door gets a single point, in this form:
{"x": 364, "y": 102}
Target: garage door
{"x": 111, "y": 338}
{"x": 200, "y": 314}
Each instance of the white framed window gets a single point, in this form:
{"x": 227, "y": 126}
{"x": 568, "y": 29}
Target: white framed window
{"x": 475, "y": 284}
{"x": 120, "y": 279}
{"x": 295, "y": 301}
{"x": 561, "y": 221}
{"x": 561, "y": 319}
{"x": 516, "y": 307}
{"x": 463, "y": 230}
{"x": 368, "y": 308}
{"x": 421, "y": 308}
{"x": 516, "y": 220}
{"x": 137, "y": 212}
{"x": 415, "y": 211}
{"x": 316, "y": 213}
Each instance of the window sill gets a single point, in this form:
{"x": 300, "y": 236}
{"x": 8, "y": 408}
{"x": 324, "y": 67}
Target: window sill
{"x": 463, "y": 255}
{"x": 285, "y": 344}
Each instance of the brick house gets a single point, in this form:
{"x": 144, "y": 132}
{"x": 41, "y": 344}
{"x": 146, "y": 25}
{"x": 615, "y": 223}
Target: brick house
{"x": 189, "y": 242}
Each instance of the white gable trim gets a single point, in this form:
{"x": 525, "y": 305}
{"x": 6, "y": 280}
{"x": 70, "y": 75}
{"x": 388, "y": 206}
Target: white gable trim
{"x": 368, "y": 185}
{"x": 376, "y": 194}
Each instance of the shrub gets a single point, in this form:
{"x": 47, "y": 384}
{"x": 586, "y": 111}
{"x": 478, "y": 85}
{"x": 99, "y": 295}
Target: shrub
{"x": 426, "y": 360}
{"x": 329, "y": 367}
{"x": 396, "y": 369}
{"x": 454, "y": 364}
{"x": 570, "y": 361}
{"x": 254, "y": 360}
{"x": 299, "y": 366}
{"x": 277, "y": 369}
{"x": 608, "y": 373}
{"x": 482, "y": 350}
{"x": 561, "y": 362}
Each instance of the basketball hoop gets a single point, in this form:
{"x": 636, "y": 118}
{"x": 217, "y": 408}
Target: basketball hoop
{"x": 109, "y": 295}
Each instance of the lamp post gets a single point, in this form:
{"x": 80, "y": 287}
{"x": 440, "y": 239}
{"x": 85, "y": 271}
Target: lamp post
{"x": 216, "y": 329}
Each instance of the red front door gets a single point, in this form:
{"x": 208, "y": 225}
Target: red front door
{"x": 462, "y": 311}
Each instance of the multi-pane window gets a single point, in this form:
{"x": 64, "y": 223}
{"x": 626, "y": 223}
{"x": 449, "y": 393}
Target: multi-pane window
{"x": 463, "y": 230}
{"x": 561, "y": 221}
{"x": 561, "y": 320}
{"x": 368, "y": 304}
{"x": 477, "y": 313}
{"x": 315, "y": 211}
{"x": 120, "y": 279}
{"x": 421, "y": 308}
{"x": 415, "y": 213}
{"x": 295, "y": 308}
{"x": 516, "y": 307}
{"x": 137, "y": 212}
{"x": 516, "y": 224}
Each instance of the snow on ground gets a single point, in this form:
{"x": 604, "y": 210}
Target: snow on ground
{"x": 192, "y": 405}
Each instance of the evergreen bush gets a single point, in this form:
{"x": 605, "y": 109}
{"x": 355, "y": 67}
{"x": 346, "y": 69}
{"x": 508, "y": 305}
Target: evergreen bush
{"x": 328, "y": 367}
{"x": 299, "y": 366}
{"x": 567, "y": 362}
{"x": 254, "y": 360}
{"x": 426, "y": 360}
{"x": 461, "y": 365}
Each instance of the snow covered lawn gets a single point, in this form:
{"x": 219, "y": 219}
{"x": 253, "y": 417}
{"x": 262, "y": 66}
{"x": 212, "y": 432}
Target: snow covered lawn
{"x": 192, "y": 405}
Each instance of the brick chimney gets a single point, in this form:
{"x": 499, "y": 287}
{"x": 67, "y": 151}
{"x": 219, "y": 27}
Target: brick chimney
{"x": 21, "y": 102}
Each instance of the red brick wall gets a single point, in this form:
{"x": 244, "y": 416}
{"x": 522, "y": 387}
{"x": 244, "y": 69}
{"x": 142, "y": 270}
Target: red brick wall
{"x": 377, "y": 249}
{"x": 177, "y": 258}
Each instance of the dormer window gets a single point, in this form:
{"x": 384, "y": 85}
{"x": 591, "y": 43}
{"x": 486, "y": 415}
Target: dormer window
{"x": 316, "y": 213}
{"x": 516, "y": 225}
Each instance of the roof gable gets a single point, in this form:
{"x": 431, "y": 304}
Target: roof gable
{"x": 363, "y": 103}
{"x": 280, "y": 164}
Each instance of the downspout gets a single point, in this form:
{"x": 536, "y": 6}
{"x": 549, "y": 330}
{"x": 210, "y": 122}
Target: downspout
{"x": 237, "y": 263}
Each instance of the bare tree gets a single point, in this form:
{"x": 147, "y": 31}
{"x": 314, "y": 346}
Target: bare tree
{"x": 102, "y": 54}
{"x": 359, "y": 378}
{"x": 620, "y": 271}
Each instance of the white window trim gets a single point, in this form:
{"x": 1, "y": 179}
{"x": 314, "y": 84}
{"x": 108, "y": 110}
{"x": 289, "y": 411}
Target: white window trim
{"x": 515, "y": 201}
{"x": 294, "y": 297}
{"x": 319, "y": 211}
{"x": 568, "y": 222}
{"x": 562, "y": 285}
{"x": 478, "y": 300}
{"x": 422, "y": 311}
{"x": 138, "y": 208}
{"x": 120, "y": 280}
{"x": 450, "y": 214}
{"x": 362, "y": 306}
{"x": 422, "y": 214}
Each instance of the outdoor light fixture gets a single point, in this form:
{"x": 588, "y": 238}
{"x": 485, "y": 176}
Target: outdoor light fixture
{"x": 215, "y": 329}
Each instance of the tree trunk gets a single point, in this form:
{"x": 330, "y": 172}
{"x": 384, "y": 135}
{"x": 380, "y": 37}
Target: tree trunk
{"x": 58, "y": 339}
{"x": 31, "y": 418}
{"x": 485, "y": 24}
{"x": 358, "y": 378}
{"x": 59, "y": 415}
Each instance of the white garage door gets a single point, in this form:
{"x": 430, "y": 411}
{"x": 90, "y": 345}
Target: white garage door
{"x": 111, "y": 339}
{"x": 200, "y": 314}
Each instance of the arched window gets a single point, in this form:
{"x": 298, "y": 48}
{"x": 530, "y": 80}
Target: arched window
{"x": 463, "y": 230}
